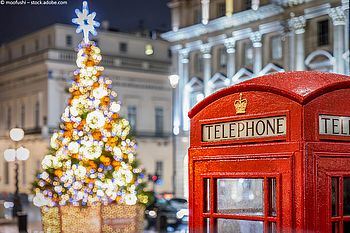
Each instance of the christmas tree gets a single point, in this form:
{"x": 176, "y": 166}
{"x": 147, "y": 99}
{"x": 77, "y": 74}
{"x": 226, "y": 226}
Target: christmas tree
{"x": 92, "y": 156}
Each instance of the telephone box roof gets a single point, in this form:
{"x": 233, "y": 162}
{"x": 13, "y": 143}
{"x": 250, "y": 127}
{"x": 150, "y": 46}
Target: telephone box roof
{"x": 299, "y": 86}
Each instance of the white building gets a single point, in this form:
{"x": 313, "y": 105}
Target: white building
{"x": 217, "y": 43}
{"x": 35, "y": 71}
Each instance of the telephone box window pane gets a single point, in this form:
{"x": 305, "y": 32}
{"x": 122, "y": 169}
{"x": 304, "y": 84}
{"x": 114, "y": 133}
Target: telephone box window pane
{"x": 207, "y": 225}
{"x": 335, "y": 227}
{"x": 346, "y": 227}
{"x": 272, "y": 197}
{"x": 242, "y": 226}
{"x": 240, "y": 196}
{"x": 272, "y": 227}
{"x": 335, "y": 195}
{"x": 206, "y": 189}
{"x": 346, "y": 195}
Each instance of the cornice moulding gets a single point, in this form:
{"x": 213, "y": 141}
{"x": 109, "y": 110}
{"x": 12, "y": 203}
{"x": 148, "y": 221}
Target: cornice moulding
{"x": 224, "y": 22}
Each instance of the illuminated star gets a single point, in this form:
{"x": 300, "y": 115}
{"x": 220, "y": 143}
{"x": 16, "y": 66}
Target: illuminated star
{"x": 86, "y": 22}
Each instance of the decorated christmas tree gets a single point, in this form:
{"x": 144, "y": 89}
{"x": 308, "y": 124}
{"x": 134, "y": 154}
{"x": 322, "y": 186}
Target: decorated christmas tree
{"x": 92, "y": 156}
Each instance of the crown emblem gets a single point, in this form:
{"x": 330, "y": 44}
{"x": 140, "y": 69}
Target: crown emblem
{"x": 241, "y": 105}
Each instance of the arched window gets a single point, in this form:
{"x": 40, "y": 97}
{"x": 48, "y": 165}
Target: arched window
{"x": 320, "y": 60}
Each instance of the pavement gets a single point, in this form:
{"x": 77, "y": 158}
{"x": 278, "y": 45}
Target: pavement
{"x": 36, "y": 228}
{"x": 34, "y": 223}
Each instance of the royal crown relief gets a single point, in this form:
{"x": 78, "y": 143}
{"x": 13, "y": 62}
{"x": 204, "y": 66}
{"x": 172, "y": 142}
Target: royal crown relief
{"x": 241, "y": 105}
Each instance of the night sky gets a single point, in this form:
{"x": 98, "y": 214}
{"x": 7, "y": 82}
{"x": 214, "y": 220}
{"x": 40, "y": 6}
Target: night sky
{"x": 124, "y": 15}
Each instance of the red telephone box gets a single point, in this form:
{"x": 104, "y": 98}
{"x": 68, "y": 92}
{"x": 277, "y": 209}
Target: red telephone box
{"x": 272, "y": 154}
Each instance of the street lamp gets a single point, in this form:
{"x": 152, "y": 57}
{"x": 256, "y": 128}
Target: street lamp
{"x": 174, "y": 81}
{"x": 15, "y": 155}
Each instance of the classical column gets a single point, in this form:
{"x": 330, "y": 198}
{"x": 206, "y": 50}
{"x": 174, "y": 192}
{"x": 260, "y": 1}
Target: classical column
{"x": 229, "y": 7}
{"x": 184, "y": 73}
{"x": 255, "y": 4}
{"x": 256, "y": 40}
{"x": 205, "y": 11}
{"x": 231, "y": 63}
{"x": 177, "y": 95}
{"x": 297, "y": 25}
{"x": 206, "y": 49}
{"x": 338, "y": 18}
{"x": 345, "y": 4}
{"x": 291, "y": 42}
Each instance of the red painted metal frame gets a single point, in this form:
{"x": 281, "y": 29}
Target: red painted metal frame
{"x": 212, "y": 215}
{"x": 340, "y": 218}
{"x": 302, "y": 158}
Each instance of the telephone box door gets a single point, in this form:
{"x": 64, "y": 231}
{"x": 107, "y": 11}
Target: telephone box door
{"x": 240, "y": 196}
{"x": 334, "y": 192}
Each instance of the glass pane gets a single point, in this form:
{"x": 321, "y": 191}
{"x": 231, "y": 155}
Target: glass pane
{"x": 207, "y": 225}
{"x": 272, "y": 227}
{"x": 335, "y": 195}
{"x": 346, "y": 227}
{"x": 239, "y": 226}
{"x": 335, "y": 227}
{"x": 346, "y": 195}
{"x": 272, "y": 196}
{"x": 206, "y": 189}
{"x": 240, "y": 196}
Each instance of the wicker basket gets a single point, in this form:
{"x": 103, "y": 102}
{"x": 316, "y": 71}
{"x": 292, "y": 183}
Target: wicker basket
{"x": 93, "y": 219}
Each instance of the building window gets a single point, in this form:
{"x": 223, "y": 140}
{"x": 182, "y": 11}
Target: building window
{"x": 37, "y": 114}
{"x": 170, "y": 54}
{"x": 69, "y": 40}
{"x": 322, "y": 33}
{"x": 23, "y": 50}
{"x": 132, "y": 116}
{"x": 198, "y": 63}
{"x": 159, "y": 169}
{"x": 9, "y": 117}
{"x": 123, "y": 47}
{"x": 276, "y": 47}
{"x": 247, "y": 5}
{"x": 23, "y": 116}
{"x": 221, "y": 9}
{"x": 248, "y": 54}
{"x": 36, "y": 45}
{"x": 197, "y": 16}
{"x": 159, "y": 120}
{"x": 7, "y": 173}
{"x": 49, "y": 42}
{"x": 222, "y": 58}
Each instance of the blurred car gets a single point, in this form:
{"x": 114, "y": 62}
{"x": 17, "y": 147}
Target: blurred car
{"x": 7, "y": 203}
{"x": 166, "y": 214}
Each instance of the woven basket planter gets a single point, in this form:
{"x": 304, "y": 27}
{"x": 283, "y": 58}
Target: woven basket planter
{"x": 93, "y": 219}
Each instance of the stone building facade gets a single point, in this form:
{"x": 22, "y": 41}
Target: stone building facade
{"x": 35, "y": 71}
{"x": 218, "y": 43}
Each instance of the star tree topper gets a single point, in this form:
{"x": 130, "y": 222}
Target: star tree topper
{"x": 86, "y": 22}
